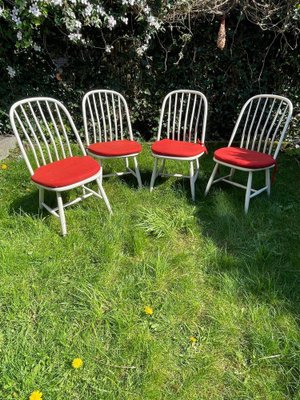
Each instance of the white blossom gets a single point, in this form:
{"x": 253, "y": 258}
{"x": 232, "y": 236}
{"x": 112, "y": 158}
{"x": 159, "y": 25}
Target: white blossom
{"x": 111, "y": 22}
{"x": 36, "y": 47}
{"x": 56, "y": 2}
{"x": 125, "y": 20}
{"x": 15, "y": 16}
{"x": 141, "y": 50}
{"x": 88, "y": 10}
{"x": 100, "y": 10}
{"x": 11, "y": 72}
{"x": 35, "y": 10}
{"x": 1, "y": 11}
{"x": 108, "y": 48}
{"x": 153, "y": 21}
{"x": 19, "y": 35}
{"x": 75, "y": 36}
{"x": 78, "y": 24}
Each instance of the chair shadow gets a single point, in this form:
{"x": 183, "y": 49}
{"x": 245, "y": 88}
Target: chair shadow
{"x": 255, "y": 248}
{"x": 29, "y": 203}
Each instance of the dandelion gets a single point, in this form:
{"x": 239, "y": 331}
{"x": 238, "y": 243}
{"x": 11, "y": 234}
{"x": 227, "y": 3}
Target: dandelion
{"x": 193, "y": 340}
{"x": 3, "y": 166}
{"x": 36, "y": 395}
{"x": 77, "y": 363}
{"x": 148, "y": 310}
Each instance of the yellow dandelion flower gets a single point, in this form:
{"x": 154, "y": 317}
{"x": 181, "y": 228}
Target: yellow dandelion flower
{"x": 193, "y": 340}
{"x": 77, "y": 363}
{"x": 148, "y": 310}
{"x": 4, "y": 166}
{"x": 36, "y": 395}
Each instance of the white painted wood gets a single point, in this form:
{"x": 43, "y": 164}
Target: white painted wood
{"x": 262, "y": 125}
{"x": 107, "y": 121}
{"x": 186, "y": 111}
{"x": 44, "y": 126}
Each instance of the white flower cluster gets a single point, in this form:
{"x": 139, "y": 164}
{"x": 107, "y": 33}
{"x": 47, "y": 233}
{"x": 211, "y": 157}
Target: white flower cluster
{"x": 34, "y": 9}
{"x": 75, "y": 37}
{"x": 11, "y": 72}
{"x": 111, "y": 22}
{"x": 141, "y": 50}
{"x": 15, "y": 16}
{"x": 75, "y": 15}
{"x": 153, "y": 22}
{"x": 108, "y": 48}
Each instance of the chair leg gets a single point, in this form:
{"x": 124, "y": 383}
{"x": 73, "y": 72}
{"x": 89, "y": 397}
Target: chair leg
{"x": 41, "y": 197}
{"x": 248, "y": 192}
{"x": 211, "y": 179}
{"x": 163, "y": 163}
{"x": 268, "y": 181}
{"x": 232, "y": 171}
{"x": 192, "y": 181}
{"x": 61, "y": 214}
{"x": 103, "y": 194}
{"x": 153, "y": 177}
{"x": 137, "y": 172}
{"x": 126, "y": 162}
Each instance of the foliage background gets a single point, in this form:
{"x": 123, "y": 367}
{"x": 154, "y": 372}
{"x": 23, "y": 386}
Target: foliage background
{"x": 182, "y": 53}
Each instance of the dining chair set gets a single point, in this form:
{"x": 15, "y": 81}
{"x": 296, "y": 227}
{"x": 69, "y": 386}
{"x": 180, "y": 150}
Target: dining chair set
{"x": 50, "y": 142}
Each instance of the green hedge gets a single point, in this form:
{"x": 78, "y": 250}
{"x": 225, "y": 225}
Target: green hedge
{"x": 253, "y": 61}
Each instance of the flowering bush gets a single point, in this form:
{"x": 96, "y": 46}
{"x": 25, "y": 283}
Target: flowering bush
{"x": 144, "y": 48}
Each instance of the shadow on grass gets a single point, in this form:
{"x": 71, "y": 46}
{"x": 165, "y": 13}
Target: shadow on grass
{"x": 29, "y": 203}
{"x": 259, "y": 250}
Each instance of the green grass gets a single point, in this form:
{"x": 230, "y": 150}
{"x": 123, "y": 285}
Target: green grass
{"x": 207, "y": 270}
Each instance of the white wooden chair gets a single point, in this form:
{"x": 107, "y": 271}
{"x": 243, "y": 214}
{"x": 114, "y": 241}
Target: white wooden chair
{"x": 183, "y": 115}
{"x": 44, "y": 128}
{"x": 108, "y": 130}
{"x": 260, "y": 129}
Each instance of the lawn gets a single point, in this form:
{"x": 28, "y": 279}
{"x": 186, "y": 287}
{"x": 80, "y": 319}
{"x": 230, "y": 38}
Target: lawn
{"x": 223, "y": 287}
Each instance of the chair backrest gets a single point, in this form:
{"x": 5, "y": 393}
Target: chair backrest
{"x": 44, "y": 127}
{"x": 183, "y": 116}
{"x": 105, "y": 116}
{"x": 262, "y": 123}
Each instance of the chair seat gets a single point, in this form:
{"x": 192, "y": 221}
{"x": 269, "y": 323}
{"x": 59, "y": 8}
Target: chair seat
{"x": 244, "y": 158}
{"x": 115, "y": 148}
{"x": 65, "y": 172}
{"x": 177, "y": 148}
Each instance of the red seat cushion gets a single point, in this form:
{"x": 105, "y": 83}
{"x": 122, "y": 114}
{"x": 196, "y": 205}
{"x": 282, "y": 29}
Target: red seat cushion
{"x": 177, "y": 148}
{"x": 115, "y": 148}
{"x": 66, "y": 172}
{"x": 244, "y": 158}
